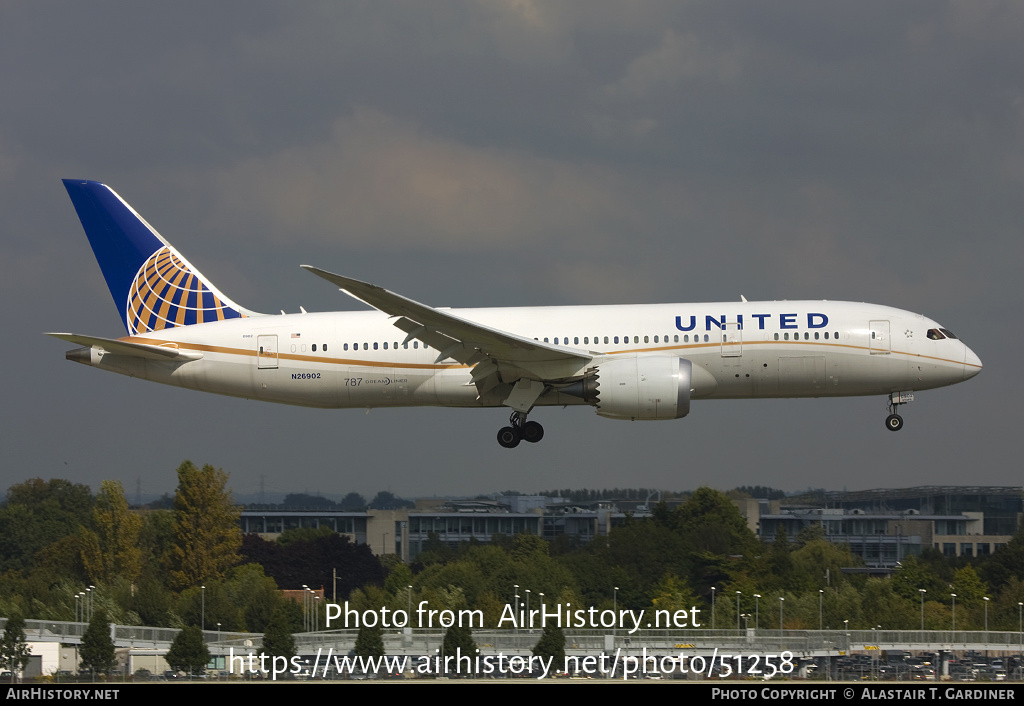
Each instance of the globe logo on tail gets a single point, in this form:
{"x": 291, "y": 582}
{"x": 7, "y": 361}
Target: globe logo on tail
{"x": 167, "y": 293}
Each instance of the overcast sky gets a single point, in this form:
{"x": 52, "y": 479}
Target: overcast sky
{"x": 489, "y": 153}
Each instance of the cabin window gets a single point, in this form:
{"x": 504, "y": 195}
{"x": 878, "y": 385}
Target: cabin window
{"x": 314, "y": 348}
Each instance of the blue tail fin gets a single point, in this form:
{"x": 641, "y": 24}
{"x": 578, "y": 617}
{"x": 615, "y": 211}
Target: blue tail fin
{"x": 153, "y": 286}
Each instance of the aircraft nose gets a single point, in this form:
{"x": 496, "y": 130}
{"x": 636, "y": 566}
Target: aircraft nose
{"x": 972, "y": 364}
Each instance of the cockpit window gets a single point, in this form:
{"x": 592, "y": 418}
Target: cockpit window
{"x": 949, "y": 334}
{"x": 934, "y": 335}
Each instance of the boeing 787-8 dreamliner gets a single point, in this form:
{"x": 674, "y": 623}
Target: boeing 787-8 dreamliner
{"x": 628, "y": 362}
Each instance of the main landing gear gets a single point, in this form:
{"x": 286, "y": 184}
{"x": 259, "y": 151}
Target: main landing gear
{"x": 520, "y": 430}
{"x": 894, "y": 422}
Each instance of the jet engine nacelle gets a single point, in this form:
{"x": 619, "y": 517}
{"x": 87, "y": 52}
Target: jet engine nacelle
{"x": 648, "y": 386}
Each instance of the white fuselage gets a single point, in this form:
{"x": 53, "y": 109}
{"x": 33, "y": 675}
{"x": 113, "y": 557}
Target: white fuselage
{"x": 738, "y": 350}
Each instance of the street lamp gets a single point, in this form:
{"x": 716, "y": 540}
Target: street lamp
{"x": 922, "y": 591}
{"x": 737, "y": 610}
{"x": 953, "y": 596}
{"x": 530, "y": 623}
{"x": 821, "y": 597}
{"x": 712, "y": 607}
{"x": 985, "y": 598}
{"x": 305, "y": 612}
{"x": 202, "y": 620}
{"x": 757, "y": 611}
{"x": 781, "y": 599}
{"x": 615, "y": 606}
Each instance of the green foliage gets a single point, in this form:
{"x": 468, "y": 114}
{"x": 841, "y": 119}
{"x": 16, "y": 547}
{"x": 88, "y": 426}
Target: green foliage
{"x": 14, "y": 649}
{"x": 458, "y": 640}
{"x": 709, "y": 522}
{"x": 370, "y": 641}
{"x": 819, "y": 564}
{"x": 399, "y": 579}
{"x": 551, "y": 645}
{"x": 303, "y": 534}
{"x": 969, "y": 589}
{"x": 913, "y": 576}
{"x": 206, "y": 532}
{"x": 672, "y": 593}
{"x": 39, "y": 513}
{"x": 152, "y": 602}
{"x": 188, "y": 652}
{"x": 277, "y": 638}
{"x": 112, "y": 550}
{"x": 97, "y": 651}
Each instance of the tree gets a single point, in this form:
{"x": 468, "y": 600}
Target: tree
{"x": 112, "y": 551}
{"x": 551, "y": 645}
{"x": 277, "y": 638}
{"x": 97, "y": 646}
{"x": 14, "y": 649}
{"x": 458, "y": 642}
{"x": 353, "y": 502}
{"x": 207, "y": 537}
{"x": 37, "y": 514}
{"x": 370, "y": 641}
{"x": 188, "y": 652}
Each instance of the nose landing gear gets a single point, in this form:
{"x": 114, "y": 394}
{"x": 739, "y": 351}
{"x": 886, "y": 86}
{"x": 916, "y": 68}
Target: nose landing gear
{"x": 520, "y": 430}
{"x": 894, "y": 422}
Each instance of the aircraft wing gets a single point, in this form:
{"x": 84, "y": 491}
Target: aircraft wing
{"x": 129, "y": 348}
{"x": 486, "y": 349}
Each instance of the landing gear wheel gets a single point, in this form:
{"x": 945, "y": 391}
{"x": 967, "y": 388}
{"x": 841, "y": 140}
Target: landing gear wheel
{"x": 532, "y": 432}
{"x": 508, "y": 437}
{"x": 894, "y": 422}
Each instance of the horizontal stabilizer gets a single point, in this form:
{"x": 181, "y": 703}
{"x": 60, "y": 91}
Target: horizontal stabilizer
{"x": 129, "y": 348}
